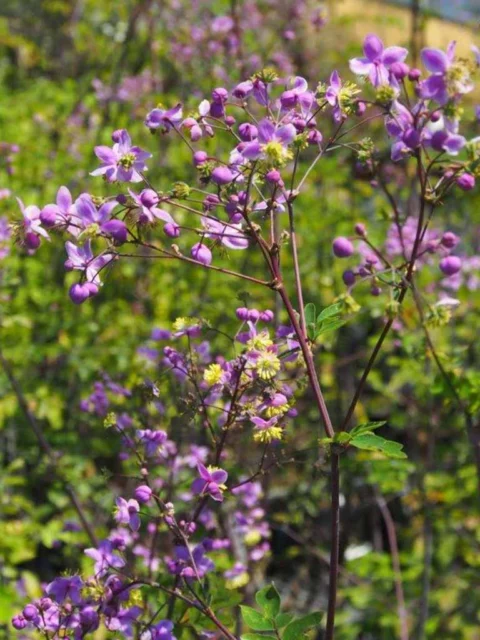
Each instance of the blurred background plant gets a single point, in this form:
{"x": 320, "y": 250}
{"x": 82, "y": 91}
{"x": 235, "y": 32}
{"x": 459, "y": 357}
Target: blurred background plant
{"x": 71, "y": 72}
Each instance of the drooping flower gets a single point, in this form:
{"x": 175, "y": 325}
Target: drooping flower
{"x": 449, "y": 77}
{"x": 230, "y": 236}
{"x": 266, "y": 430}
{"x": 61, "y": 212}
{"x": 211, "y": 482}
{"x": 127, "y": 513}
{"x": 80, "y": 258}
{"x": 105, "y": 558}
{"x": 122, "y": 162}
{"x": 164, "y": 119}
{"x": 32, "y": 228}
{"x": 377, "y": 61}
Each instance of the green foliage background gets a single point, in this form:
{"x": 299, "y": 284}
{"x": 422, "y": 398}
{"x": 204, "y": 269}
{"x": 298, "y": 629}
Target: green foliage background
{"x": 49, "y": 56}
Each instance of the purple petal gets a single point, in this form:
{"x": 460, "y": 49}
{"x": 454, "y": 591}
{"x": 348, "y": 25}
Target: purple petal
{"x": 394, "y": 54}
{"x": 360, "y": 66}
{"x": 161, "y": 214}
{"x": 86, "y": 209}
{"x": 335, "y": 81}
{"x": 372, "y": 47}
{"x": 64, "y": 199}
{"x": 266, "y": 130}
{"x": 219, "y": 476}
{"x": 105, "y": 154}
{"x": 300, "y": 85}
{"x": 251, "y": 150}
{"x": 435, "y": 60}
{"x": 198, "y": 485}
{"x": 286, "y": 134}
{"x": 203, "y": 471}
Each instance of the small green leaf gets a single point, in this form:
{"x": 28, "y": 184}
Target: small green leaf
{"x": 310, "y": 313}
{"x": 329, "y": 325}
{"x": 372, "y": 442}
{"x": 298, "y": 627}
{"x": 283, "y": 619}
{"x": 255, "y": 636}
{"x": 366, "y": 426}
{"x": 333, "y": 310}
{"x": 255, "y": 619}
{"x": 268, "y": 599}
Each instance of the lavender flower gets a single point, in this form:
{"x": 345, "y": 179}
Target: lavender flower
{"x": 122, "y": 162}
{"x": 164, "y": 119}
{"x": 450, "y": 77}
{"x": 211, "y": 482}
{"x": 377, "y": 61}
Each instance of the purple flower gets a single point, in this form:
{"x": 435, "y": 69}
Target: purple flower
{"x": 122, "y": 162}
{"x": 183, "y": 565}
{"x": 164, "y": 119}
{"x": 201, "y": 253}
{"x": 269, "y": 133}
{"x": 342, "y": 247}
{"x": 127, "y": 513}
{"x": 80, "y": 258}
{"x": 146, "y": 203}
{"x": 61, "y": 212}
{"x": 211, "y": 482}
{"x": 230, "y": 236}
{"x": 450, "y": 265}
{"x": 377, "y": 61}
{"x": 143, "y": 493}
{"x": 32, "y": 223}
{"x": 104, "y": 558}
{"x": 160, "y": 631}
{"x": 333, "y": 96}
{"x": 450, "y": 78}
{"x": 62, "y": 589}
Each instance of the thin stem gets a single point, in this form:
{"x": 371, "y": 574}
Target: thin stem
{"x": 393, "y": 544}
{"x": 335, "y": 544}
{"x": 296, "y": 268}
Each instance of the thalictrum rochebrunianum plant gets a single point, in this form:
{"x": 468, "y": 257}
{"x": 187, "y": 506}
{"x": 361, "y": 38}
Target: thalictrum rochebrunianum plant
{"x": 254, "y": 147}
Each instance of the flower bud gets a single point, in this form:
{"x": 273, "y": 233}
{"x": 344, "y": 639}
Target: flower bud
{"x": 360, "y": 229}
{"x": 247, "y": 132}
{"x": 266, "y": 316}
{"x": 200, "y": 157}
{"x": 78, "y": 293}
{"x": 375, "y": 290}
{"x": 242, "y": 313}
{"x": 149, "y": 198}
{"x": 220, "y": 95}
{"x": 19, "y": 622}
{"x": 117, "y": 135}
{"x": 288, "y": 99}
{"x": 222, "y": 175}
{"x": 171, "y": 230}
{"x": 414, "y": 74}
{"x": 273, "y": 176}
{"x": 229, "y": 121}
{"x": 400, "y": 70}
{"x": 253, "y": 315}
{"x": 450, "y": 265}
{"x": 342, "y": 247}
{"x": 143, "y": 493}
{"x": 449, "y": 240}
{"x": 314, "y": 137}
{"x": 32, "y": 240}
{"x": 30, "y": 612}
{"x": 92, "y": 288}
{"x": 116, "y": 229}
{"x": 48, "y": 215}
{"x": 466, "y": 181}
{"x": 435, "y": 117}
{"x": 348, "y": 277}
{"x": 201, "y": 253}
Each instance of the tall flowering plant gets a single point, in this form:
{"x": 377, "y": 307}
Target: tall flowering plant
{"x": 255, "y": 147}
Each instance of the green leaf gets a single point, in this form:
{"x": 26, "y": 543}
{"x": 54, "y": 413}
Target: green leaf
{"x": 255, "y": 636}
{"x": 329, "y": 325}
{"x": 255, "y": 619}
{"x": 333, "y": 310}
{"x": 268, "y": 599}
{"x": 310, "y": 313}
{"x": 283, "y": 619}
{"x": 366, "y": 426}
{"x": 372, "y": 442}
{"x": 298, "y": 627}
